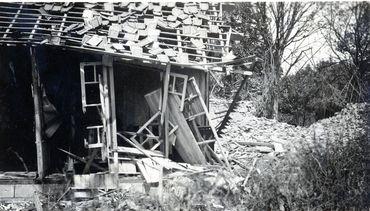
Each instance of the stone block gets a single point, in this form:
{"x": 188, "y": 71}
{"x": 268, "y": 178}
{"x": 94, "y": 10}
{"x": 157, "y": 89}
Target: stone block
{"x": 25, "y": 191}
{"x": 6, "y": 191}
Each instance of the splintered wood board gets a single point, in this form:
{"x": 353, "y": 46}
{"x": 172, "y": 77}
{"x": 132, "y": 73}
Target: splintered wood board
{"x": 150, "y": 170}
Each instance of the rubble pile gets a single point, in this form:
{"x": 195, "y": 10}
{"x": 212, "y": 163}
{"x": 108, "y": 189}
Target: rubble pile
{"x": 115, "y": 200}
{"x": 20, "y": 205}
{"x": 261, "y": 152}
{"x": 213, "y": 189}
{"x": 247, "y": 137}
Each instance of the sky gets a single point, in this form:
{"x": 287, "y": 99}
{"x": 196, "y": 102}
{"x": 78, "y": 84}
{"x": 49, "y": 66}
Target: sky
{"x": 319, "y": 50}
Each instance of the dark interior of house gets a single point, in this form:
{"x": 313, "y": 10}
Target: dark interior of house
{"x": 63, "y": 119}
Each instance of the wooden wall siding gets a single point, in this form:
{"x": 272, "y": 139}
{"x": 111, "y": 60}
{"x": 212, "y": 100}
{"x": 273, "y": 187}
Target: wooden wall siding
{"x": 131, "y": 84}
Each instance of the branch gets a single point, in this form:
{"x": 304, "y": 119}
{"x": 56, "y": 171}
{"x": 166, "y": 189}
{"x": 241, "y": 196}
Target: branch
{"x": 297, "y": 59}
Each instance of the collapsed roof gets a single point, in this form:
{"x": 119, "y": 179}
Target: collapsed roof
{"x": 186, "y": 34}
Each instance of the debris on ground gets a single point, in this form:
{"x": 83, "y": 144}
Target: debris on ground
{"x": 247, "y": 136}
{"x": 16, "y": 205}
{"x": 255, "y": 147}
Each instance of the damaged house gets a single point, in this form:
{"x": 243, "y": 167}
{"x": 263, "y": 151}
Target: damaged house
{"x": 110, "y": 92}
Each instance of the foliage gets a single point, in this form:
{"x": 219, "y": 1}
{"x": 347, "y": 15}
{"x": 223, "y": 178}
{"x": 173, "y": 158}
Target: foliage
{"x": 270, "y": 28}
{"x": 311, "y": 95}
{"x": 349, "y": 37}
{"x": 336, "y": 174}
{"x": 230, "y": 83}
{"x": 314, "y": 178}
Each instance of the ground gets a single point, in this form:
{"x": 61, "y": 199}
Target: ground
{"x": 255, "y": 147}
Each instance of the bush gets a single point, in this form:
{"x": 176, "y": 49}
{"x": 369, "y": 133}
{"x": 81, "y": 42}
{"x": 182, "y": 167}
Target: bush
{"x": 311, "y": 95}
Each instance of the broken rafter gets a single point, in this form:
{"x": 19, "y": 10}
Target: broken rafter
{"x": 137, "y": 147}
{"x": 14, "y": 18}
{"x": 69, "y": 35}
{"x": 233, "y": 103}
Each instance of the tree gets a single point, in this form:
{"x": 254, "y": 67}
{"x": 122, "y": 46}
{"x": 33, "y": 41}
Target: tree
{"x": 313, "y": 94}
{"x": 348, "y": 34}
{"x": 270, "y": 29}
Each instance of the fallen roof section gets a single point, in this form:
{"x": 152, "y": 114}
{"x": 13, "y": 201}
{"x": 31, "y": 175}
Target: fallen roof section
{"x": 184, "y": 34}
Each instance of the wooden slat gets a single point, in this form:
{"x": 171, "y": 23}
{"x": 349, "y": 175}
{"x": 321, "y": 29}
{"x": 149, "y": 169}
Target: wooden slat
{"x": 62, "y": 24}
{"x": 66, "y": 18}
{"x": 13, "y": 20}
{"x": 35, "y": 18}
{"x": 163, "y": 44}
{"x": 35, "y": 27}
{"x": 166, "y": 80}
{"x": 135, "y": 151}
{"x": 83, "y": 88}
{"x": 206, "y": 142}
{"x": 36, "y": 15}
{"x": 210, "y": 122}
{"x": 150, "y": 171}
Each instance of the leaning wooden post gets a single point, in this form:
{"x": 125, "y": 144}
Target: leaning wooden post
{"x": 164, "y": 113}
{"x": 36, "y": 94}
{"x": 112, "y": 125}
{"x": 113, "y": 121}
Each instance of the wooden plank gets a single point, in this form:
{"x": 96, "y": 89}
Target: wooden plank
{"x": 37, "y": 101}
{"x": 148, "y": 122}
{"x": 135, "y": 151}
{"x": 83, "y": 88}
{"x": 232, "y": 106}
{"x": 150, "y": 170}
{"x": 166, "y": 135}
{"x": 112, "y": 119}
{"x": 251, "y": 143}
{"x": 164, "y": 114}
{"x": 198, "y": 136}
{"x": 110, "y": 106}
{"x": 166, "y": 80}
{"x": 105, "y": 111}
{"x": 206, "y": 142}
{"x": 186, "y": 143}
